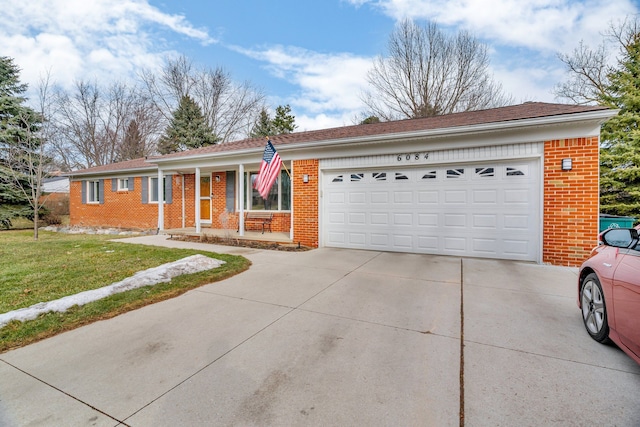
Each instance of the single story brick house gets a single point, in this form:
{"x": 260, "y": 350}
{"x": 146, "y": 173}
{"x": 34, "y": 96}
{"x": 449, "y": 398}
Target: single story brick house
{"x": 517, "y": 182}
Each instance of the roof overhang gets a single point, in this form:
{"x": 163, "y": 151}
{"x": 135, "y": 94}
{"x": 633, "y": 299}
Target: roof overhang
{"x": 495, "y": 133}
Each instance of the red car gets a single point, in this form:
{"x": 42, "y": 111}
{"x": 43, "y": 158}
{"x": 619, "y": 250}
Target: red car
{"x": 609, "y": 290}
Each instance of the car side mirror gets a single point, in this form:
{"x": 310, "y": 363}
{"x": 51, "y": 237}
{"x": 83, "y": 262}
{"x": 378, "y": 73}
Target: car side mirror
{"x": 620, "y": 237}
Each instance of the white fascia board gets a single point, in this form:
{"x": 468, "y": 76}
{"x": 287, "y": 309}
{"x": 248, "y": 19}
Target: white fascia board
{"x": 495, "y": 133}
{"x": 113, "y": 173}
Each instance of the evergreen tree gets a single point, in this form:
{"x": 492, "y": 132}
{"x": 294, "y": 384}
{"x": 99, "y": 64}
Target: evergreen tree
{"x": 18, "y": 125}
{"x": 620, "y": 151}
{"x": 283, "y": 122}
{"x": 188, "y": 129}
{"x": 263, "y": 126}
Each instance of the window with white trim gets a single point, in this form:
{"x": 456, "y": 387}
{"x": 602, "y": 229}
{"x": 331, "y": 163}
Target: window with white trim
{"x": 123, "y": 184}
{"x": 93, "y": 191}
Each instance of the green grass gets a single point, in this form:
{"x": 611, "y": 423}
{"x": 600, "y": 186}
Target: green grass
{"x": 59, "y": 265}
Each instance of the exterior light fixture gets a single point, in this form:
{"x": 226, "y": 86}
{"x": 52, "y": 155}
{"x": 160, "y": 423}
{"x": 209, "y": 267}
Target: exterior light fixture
{"x": 305, "y": 178}
{"x": 567, "y": 164}
{"x": 217, "y": 178}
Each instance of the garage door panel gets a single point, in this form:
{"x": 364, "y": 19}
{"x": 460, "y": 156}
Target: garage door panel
{"x": 517, "y": 196}
{"x": 486, "y": 246}
{"x": 455, "y": 220}
{"x": 485, "y": 196}
{"x": 357, "y": 239}
{"x": 485, "y": 221}
{"x": 485, "y": 210}
{"x": 403, "y": 219}
{"x": 337, "y": 198}
{"x": 516, "y": 247}
{"x": 336, "y": 218}
{"x": 357, "y": 218}
{"x": 455, "y": 196}
{"x": 402, "y": 197}
{"x": 379, "y": 197}
{"x": 428, "y": 197}
{"x": 457, "y": 244}
{"x": 379, "y": 218}
{"x": 380, "y": 241}
{"x": 428, "y": 220}
{"x": 403, "y": 242}
{"x": 357, "y": 198}
{"x": 517, "y": 222}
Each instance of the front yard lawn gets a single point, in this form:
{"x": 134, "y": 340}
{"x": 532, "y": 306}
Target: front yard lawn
{"x": 59, "y": 265}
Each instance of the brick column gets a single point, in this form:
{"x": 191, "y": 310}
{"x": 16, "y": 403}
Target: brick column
{"x": 305, "y": 202}
{"x": 571, "y": 200}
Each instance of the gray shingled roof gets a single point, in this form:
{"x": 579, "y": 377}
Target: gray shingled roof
{"x": 528, "y": 110}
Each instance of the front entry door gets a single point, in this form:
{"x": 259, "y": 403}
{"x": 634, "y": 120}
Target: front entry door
{"x": 205, "y": 199}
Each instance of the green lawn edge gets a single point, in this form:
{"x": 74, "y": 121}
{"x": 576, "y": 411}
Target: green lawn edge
{"x": 18, "y": 334}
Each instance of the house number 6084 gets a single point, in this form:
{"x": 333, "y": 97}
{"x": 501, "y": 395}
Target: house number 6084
{"x": 415, "y": 156}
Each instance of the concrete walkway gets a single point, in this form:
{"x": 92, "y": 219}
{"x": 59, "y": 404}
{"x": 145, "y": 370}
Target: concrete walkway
{"x": 334, "y": 337}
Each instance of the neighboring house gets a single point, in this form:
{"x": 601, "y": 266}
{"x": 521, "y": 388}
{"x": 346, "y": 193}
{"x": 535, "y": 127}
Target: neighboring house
{"x": 486, "y": 183}
{"x": 56, "y": 184}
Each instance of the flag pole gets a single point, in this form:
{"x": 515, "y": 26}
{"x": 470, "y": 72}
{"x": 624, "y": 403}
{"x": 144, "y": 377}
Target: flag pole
{"x": 283, "y": 165}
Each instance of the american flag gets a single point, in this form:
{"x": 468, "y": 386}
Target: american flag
{"x": 269, "y": 170}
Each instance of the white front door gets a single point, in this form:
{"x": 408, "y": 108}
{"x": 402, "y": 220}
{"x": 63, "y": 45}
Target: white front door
{"x": 489, "y": 209}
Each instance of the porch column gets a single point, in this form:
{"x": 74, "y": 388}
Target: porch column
{"x": 160, "y": 200}
{"x": 197, "y": 201}
{"x": 241, "y": 180}
{"x": 292, "y": 185}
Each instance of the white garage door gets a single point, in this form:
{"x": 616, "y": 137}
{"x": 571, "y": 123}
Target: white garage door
{"x": 481, "y": 210}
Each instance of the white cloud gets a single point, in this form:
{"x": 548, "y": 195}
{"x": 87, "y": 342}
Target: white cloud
{"x": 551, "y": 25}
{"x": 330, "y": 84}
{"x": 74, "y": 39}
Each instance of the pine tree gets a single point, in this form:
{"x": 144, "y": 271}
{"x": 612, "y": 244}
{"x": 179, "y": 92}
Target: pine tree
{"x": 262, "y": 127}
{"x": 188, "y": 129}
{"x": 282, "y": 123}
{"x": 18, "y": 125}
{"x": 620, "y": 151}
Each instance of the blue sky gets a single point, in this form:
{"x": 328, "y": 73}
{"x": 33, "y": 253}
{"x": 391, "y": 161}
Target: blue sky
{"x": 310, "y": 54}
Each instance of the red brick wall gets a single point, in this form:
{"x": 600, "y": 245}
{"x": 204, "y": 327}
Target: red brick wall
{"x": 124, "y": 209}
{"x": 305, "y": 202}
{"x": 571, "y": 204}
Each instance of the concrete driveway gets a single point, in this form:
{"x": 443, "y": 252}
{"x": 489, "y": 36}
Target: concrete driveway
{"x": 334, "y": 337}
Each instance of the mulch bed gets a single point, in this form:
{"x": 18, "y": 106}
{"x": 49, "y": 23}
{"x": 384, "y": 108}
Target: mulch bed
{"x": 255, "y": 244}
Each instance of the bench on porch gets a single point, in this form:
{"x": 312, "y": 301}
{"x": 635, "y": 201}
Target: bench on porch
{"x": 258, "y": 218}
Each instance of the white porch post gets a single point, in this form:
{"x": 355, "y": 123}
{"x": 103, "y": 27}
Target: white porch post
{"x": 241, "y": 181}
{"x": 160, "y": 200}
{"x": 291, "y": 185}
{"x": 197, "y": 201}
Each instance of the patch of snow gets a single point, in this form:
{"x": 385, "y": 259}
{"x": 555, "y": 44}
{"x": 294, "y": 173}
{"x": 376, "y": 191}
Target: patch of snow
{"x": 161, "y": 274}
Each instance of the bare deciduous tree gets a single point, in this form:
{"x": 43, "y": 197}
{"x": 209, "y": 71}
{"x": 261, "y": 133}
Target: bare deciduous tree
{"x": 94, "y": 125}
{"x": 229, "y": 108}
{"x": 589, "y": 68}
{"x": 429, "y": 73}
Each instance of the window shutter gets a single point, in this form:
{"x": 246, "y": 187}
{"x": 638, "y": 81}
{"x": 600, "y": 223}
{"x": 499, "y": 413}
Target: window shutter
{"x": 231, "y": 191}
{"x": 145, "y": 190}
{"x": 101, "y": 191}
{"x": 84, "y": 192}
{"x": 168, "y": 188}
{"x": 114, "y": 185}
{"x": 130, "y": 183}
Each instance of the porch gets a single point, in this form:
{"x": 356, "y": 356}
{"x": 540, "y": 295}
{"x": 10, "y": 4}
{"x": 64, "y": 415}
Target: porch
{"x": 275, "y": 237}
